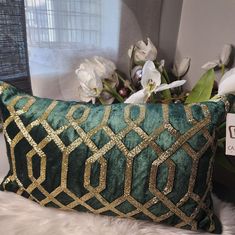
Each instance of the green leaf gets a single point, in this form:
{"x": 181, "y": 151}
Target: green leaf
{"x": 203, "y": 88}
{"x": 166, "y": 93}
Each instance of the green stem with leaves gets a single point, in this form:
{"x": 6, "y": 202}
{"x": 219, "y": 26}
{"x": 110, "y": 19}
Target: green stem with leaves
{"x": 124, "y": 82}
{"x": 222, "y": 69}
{"x": 165, "y": 74}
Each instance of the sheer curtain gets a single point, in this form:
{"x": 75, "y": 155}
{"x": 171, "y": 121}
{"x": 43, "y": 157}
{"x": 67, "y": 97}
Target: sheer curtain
{"x": 61, "y": 33}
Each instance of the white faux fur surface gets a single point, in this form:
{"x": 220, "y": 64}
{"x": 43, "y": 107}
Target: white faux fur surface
{"x": 20, "y": 216}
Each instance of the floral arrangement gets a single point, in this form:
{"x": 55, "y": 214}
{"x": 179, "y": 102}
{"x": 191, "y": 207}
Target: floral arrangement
{"x": 100, "y": 81}
{"x": 150, "y": 82}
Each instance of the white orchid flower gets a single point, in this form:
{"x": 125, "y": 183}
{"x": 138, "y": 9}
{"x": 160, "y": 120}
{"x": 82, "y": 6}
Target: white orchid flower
{"x": 90, "y": 85}
{"x": 224, "y": 58}
{"x": 151, "y": 78}
{"x": 104, "y": 68}
{"x": 181, "y": 67}
{"x": 151, "y": 82}
{"x": 92, "y": 75}
{"x": 227, "y": 83}
{"x": 143, "y": 52}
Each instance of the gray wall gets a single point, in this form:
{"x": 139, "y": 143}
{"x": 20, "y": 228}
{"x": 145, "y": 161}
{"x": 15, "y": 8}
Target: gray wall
{"x": 205, "y": 26}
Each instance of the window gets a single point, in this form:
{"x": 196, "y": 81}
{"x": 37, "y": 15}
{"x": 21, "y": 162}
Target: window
{"x": 63, "y": 23}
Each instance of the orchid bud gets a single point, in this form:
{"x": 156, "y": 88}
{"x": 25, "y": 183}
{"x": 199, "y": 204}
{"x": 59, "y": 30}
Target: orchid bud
{"x": 225, "y": 54}
{"x": 180, "y": 68}
{"x": 161, "y": 66}
{"x": 210, "y": 65}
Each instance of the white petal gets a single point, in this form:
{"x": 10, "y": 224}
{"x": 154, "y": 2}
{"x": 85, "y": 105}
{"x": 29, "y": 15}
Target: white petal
{"x": 141, "y": 45}
{"x": 150, "y": 72}
{"x": 225, "y": 54}
{"x": 210, "y": 65}
{"x": 103, "y": 67}
{"x": 227, "y": 74}
{"x": 161, "y": 66}
{"x": 152, "y": 51}
{"x": 227, "y": 83}
{"x": 163, "y": 87}
{"x": 82, "y": 96}
{"x": 144, "y": 51}
{"x": 89, "y": 82}
{"x": 139, "y": 97}
{"x": 130, "y": 51}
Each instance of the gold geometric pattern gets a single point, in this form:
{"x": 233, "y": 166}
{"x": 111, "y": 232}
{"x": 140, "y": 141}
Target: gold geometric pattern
{"x": 97, "y": 156}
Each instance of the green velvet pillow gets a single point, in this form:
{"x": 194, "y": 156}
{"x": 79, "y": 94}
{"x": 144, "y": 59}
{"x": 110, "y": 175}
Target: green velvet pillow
{"x": 150, "y": 162}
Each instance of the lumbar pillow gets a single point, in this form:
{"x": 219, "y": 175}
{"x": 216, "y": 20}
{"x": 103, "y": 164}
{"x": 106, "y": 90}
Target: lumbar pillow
{"x": 151, "y": 162}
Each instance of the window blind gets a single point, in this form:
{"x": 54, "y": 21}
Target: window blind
{"x": 14, "y": 66}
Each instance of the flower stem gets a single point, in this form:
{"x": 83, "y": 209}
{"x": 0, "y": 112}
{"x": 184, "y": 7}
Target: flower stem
{"x": 163, "y": 72}
{"x": 222, "y": 69}
{"x": 166, "y": 75}
{"x": 101, "y": 100}
{"x": 124, "y": 81}
{"x": 113, "y": 92}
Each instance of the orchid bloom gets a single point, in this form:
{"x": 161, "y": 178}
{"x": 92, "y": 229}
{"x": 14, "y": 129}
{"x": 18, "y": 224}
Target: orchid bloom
{"x": 227, "y": 83}
{"x": 223, "y": 60}
{"x": 143, "y": 52}
{"x": 92, "y": 76}
{"x": 90, "y": 85}
{"x": 103, "y": 67}
{"x": 151, "y": 82}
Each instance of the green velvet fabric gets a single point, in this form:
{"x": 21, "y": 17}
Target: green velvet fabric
{"x": 150, "y": 162}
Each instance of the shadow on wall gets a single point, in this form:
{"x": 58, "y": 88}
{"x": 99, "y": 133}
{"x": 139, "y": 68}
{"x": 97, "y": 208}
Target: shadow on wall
{"x": 139, "y": 20}
{"x": 53, "y": 62}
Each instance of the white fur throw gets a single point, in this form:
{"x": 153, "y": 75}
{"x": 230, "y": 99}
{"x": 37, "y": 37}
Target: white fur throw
{"x": 20, "y": 216}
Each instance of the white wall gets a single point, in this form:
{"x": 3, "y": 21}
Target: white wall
{"x": 205, "y": 26}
